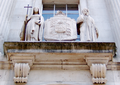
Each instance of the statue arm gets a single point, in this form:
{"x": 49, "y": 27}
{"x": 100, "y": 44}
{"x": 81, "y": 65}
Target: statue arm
{"x": 38, "y": 22}
{"x": 41, "y": 28}
{"x": 96, "y": 30}
{"x": 23, "y": 29}
{"x": 80, "y": 21}
{"x": 27, "y": 19}
{"x": 22, "y": 33}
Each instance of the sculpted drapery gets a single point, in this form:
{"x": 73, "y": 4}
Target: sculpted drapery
{"x": 34, "y": 27}
{"x": 88, "y": 30}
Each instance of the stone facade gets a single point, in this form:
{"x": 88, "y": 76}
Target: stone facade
{"x": 60, "y": 62}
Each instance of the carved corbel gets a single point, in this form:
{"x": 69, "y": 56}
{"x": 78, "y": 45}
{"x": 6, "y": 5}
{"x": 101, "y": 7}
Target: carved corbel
{"x": 98, "y": 72}
{"x": 22, "y": 66}
{"x": 98, "y": 68}
{"x": 21, "y": 71}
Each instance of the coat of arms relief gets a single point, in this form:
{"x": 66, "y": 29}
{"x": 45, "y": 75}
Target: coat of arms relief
{"x": 60, "y": 28}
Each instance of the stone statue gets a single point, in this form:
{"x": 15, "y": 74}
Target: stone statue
{"x": 34, "y": 27}
{"x": 88, "y": 30}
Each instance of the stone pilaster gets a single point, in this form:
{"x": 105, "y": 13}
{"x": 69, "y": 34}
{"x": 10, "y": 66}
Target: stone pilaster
{"x": 83, "y": 4}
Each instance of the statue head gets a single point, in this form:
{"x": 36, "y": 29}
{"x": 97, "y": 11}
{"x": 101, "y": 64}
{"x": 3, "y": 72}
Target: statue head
{"x": 85, "y": 12}
{"x": 35, "y": 10}
{"x": 60, "y": 13}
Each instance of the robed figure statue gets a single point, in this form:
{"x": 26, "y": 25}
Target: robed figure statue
{"x": 88, "y": 30}
{"x": 32, "y": 29}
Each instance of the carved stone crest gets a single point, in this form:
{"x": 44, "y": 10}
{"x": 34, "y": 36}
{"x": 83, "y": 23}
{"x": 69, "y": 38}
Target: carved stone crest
{"x": 60, "y": 28}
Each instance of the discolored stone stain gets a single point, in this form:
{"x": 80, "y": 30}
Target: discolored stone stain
{"x": 97, "y": 47}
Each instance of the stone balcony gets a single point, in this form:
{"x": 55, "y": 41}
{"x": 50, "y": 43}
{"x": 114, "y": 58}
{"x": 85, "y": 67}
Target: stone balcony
{"x": 94, "y": 56}
{"x": 60, "y": 55}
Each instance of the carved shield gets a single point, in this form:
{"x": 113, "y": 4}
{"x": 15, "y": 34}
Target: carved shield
{"x": 60, "y": 28}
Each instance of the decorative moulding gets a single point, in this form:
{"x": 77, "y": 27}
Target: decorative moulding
{"x": 97, "y": 60}
{"x": 21, "y": 59}
{"x": 98, "y": 68}
{"x": 22, "y": 64}
{"x": 98, "y": 72}
{"x": 21, "y": 71}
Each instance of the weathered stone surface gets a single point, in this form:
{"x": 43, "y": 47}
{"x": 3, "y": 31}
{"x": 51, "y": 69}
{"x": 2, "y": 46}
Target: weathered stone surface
{"x": 75, "y": 47}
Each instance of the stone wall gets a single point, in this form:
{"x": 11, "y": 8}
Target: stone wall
{"x": 5, "y": 9}
{"x": 58, "y": 77}
{"x": 11, "y": 20}
{"x": 114, "y": 18}
{"x": 98, "y": 11}
{"x": 5, "y": 15}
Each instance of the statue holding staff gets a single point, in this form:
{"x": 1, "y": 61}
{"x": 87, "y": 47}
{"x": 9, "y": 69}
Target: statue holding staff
{"x": 23, "y": 29}
{"x": 34, "y": 26}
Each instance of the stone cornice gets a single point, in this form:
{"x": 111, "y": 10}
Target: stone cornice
{"x": 89, "y": 47}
